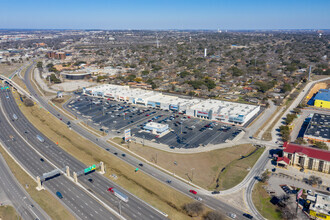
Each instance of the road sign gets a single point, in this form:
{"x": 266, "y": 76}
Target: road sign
{"x": 90, "y": 168}
{"x": 299, "y": 193}
{"x": 127, "y": 134}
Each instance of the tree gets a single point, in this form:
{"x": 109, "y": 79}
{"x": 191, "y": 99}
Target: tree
{"x": 314, "y": 180}
{"x": 300, "y": 140}
{"x": 297, "y": 111}
{"x": 264, "y": 177}
{"x": 39, "y": 65}
{"x": 193, "y": 209}
{"x": 321, "y": 145}
{"x": 28, "y": 102}
{"x": 214, "y": 215}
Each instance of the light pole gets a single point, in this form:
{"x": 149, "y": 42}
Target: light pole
{"x": 143, "y": 140}
{"x": 192, "y": 174}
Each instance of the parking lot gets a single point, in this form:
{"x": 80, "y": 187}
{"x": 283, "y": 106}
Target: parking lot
{"x": 114, "y": 117}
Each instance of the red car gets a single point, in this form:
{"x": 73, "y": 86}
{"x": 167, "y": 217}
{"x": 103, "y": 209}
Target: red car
{"x": 193, "y": 191}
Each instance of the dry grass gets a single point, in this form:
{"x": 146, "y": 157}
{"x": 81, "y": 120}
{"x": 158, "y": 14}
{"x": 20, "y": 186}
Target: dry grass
{"x": 46, "y": 201}
{"x": 19, "y": 82}
{"x": 237, "y": 170}
{"x": 7, "y": 70}
{"x": 202, "y": 168}
{"x": 265, "y": 123}
{"x": 8, "y": 213}
{"x": 145, "y": 187}
{"x": 262, "y": 202}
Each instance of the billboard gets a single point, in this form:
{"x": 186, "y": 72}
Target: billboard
{"x": 127, "y": 134}
{"x": 299, "y": 193}
{"x": 174, "y": 107}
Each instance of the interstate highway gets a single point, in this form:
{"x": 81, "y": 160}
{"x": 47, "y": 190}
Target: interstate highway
{"x": 76, "y": 200}
{"x": 135, "y": 208}
{"x": 182, "y": 187}
{"x": 20, "y": 199}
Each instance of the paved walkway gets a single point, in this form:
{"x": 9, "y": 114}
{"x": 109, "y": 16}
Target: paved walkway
{"x": 41, "y": 83}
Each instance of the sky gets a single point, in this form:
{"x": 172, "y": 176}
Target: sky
{"x": 165, "y": 14}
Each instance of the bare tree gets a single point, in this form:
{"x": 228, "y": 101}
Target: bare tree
{"x": 193, "y": 209}
{"x": 213, "y": 216}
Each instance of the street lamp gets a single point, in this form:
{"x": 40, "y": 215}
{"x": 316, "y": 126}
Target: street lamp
{"x": 143, "y": 140}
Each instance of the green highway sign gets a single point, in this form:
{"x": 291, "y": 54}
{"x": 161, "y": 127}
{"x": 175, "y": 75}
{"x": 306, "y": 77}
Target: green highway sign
{"x": 88, "y": 169}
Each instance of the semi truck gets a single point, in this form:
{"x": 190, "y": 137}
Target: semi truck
{"x": 118, "y": 194}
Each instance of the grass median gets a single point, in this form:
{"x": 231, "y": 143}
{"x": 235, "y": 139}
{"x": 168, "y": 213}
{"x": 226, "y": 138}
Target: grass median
{"x": 142, "y": 185}
{"x": 203, "y": 169}
{"x": 261, "y": 200}
{"x": 45, "y": 200}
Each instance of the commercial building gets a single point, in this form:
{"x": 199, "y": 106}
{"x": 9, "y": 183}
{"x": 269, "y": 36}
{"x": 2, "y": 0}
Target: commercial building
{"x": 320, "y": 206}
{"x": 55, "y": 55}
{"x": 306, "y": 157}
{"x": 156, "y": 128}
{"x": 322, "y": 98}
{"x": 228, "y": 112}
{"x": 75, "y": 75}
{"x": 318, "y": 129}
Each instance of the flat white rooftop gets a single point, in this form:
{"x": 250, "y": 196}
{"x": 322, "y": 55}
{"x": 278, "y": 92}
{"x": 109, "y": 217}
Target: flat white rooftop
{"x": 156, "y": 125}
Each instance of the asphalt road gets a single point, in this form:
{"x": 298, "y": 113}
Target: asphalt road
{"x": 135, "y": 208}
{"x": 79, "y": 202}
{"x": 24, "y": 205}
{"x": 182, "y": 187}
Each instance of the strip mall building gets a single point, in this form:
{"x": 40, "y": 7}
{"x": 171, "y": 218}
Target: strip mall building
{"x": 228, "y": 112}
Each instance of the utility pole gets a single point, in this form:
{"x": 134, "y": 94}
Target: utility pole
{"x": 192, "y": 174}
{"x": 143, "y": 140}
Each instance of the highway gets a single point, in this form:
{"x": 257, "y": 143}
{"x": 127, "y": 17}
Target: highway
{"x": 182, "y": 187}
{"x": 135, "y": 208}
{"x": 79, "y": 202}
{"x": 24, "y": 205}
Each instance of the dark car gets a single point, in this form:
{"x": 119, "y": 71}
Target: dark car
{"x": 115, "y": 153}
{"x": 124, "y": 155}
{"x": 59, "y": 195}
{"x": 91, "y": 180}
{"x": 169, "y": 181}
{"x": 216, "y": 192}
{"x": 141, "y": 164}
{"x": 42, "y": 160}
{"x": 248, "y": 216}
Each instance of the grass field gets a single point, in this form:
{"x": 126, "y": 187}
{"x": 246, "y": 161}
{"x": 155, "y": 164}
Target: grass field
{"x": 237, "y": 170}
{"x": 154, "y": 192}
{"x": 202, "y": 168}
{"x": 46, "y": 201}
{"x": 7, "y": 70}
{"x": 8, "y": 213}
{"x": 262, "y": 202}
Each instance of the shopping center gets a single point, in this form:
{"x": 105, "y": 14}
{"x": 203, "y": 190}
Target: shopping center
{"x": 218, "y": 110}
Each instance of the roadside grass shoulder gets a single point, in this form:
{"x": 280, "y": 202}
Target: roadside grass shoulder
{"x": 201, "y": 168}
{"x": 45, "y": 199}
{"x": 7, "y": 70}
{"x": 8, "y": 212}
{"x": 262, "y": 202}
{"x": 142, "y": 185}
{"x": 237, "y": 170}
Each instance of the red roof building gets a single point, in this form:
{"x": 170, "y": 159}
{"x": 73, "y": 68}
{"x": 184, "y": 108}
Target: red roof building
{"x": 307, "y": 157}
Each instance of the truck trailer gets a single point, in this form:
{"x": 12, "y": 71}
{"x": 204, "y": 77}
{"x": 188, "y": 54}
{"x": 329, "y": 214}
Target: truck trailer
{"x": 119, "y": 194}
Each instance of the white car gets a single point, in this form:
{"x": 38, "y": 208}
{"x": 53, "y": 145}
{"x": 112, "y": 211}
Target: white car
{"x": 198, "y": 198}
{"x": 232, "y": 215}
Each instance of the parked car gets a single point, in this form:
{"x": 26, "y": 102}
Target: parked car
{"x": 216, "y": 192}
